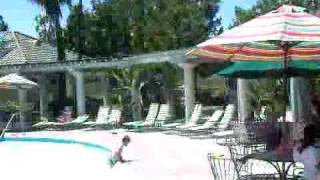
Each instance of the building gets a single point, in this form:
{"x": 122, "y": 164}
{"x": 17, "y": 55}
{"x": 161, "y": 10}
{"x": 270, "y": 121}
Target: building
{"x": 36, "y": 60}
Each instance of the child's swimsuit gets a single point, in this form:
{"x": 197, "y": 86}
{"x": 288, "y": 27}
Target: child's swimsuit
{"x": 112, "y": 161}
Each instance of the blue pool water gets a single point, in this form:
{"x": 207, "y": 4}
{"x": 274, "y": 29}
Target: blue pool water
{"x": 57, "y": 140}
{"x": 52, "y": 158}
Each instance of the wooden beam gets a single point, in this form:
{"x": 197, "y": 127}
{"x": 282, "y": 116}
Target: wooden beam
{"x": 174, "y": 56}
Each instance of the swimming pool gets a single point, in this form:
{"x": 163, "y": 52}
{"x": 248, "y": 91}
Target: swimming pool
{"x": 52, "y": 158}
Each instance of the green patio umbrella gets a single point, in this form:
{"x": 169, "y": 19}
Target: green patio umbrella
{"x": 270, "y": 69}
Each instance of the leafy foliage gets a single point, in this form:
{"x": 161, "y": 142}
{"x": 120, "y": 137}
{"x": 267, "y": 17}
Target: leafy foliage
{"x": 50, "y": 30}
{"x": 53, "y": 14}
{"x": 121, "y": 28}
{"x": 268, "y": 95}
{"x": 45, "y": 28}
{"x": 14, "y": 107}
{"x": 127, "y": 92}
{"x": 124, "y": 27}
{"x": 264, "y": 6}
{"x": 3, "y": 24}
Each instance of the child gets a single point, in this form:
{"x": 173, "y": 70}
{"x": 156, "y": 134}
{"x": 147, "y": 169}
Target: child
{"x": 117, "y": 156}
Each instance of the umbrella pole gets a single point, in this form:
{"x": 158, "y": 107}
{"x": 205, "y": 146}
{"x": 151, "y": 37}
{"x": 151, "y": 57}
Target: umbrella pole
{"x": 285, "y": 48}
{"x": 285, "y": 94}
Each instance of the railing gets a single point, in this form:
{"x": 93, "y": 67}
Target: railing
{"x": 7, "y": 126}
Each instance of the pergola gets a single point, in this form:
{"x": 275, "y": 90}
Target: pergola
{"x": 26, "y": 55}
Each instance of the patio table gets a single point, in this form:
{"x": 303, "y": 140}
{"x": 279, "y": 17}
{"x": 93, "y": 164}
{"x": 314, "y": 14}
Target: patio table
{"x": 281, "y": 162}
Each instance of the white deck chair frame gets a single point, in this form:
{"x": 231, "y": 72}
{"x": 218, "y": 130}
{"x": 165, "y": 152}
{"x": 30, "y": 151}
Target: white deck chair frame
{"x": 150, "y": 118}
{"x": 164, "y": 115}
{"x": 195, "y": 118}
{"x": 216, "y": 115}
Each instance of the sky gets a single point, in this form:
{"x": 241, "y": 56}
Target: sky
{"x": 20, "y": 14}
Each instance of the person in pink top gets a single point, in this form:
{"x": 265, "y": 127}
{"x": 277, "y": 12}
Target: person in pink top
{"x": 117, "y": 156}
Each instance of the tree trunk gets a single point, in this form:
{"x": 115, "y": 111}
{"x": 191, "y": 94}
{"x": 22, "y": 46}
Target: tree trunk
{"x": 61, "y": 91}
{"x": 136, "y": 102}
{"x": 60, "y": 41}
{"x": 61, "y": 58}
{"x": 79, "y": 30}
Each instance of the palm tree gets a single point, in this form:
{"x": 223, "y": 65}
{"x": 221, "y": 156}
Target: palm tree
{"x": 53, "y": 9}
{"x": 79, "y": 28}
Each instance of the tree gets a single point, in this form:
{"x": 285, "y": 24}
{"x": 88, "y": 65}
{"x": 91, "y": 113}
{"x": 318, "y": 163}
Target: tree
{"x": 213, "y": 21}
{"x": 3, "y": 24}
{"x": 266, "y": 98}
{"x": 52, "y": 19}
{"x": 124, "y": 27}
{"x": 54, "y": 13}
{"x": 130, "y": 81}
{"x": 264, "y": 6}
{"x": 3, "y": 27}
{"x": 121, "y": 28}
{"x": 45, "y": 28}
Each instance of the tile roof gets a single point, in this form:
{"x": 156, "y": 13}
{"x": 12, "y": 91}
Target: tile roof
{"x": 17, "y": 49}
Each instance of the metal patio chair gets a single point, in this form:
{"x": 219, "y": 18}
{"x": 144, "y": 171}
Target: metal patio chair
{"x": 249, "y": 169}
{"x": 222, "y": 168}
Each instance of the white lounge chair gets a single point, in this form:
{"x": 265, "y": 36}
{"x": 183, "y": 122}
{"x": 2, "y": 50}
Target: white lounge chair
{"x": 221, "y": 130}
{"x": 195, "y": 118}
{"x": 164, "y": 116}
{"x": 103, "y": 114}
{"x": 228, "y": 116}
{"x": 74, "y": 123}
{"x": 102, "y": 117}
{"x": 151, "y": 116}
{"x": 78, "y": 121}
{"x": 114, "y": 119}
{"x": 210, "y": 123}
{"x": 289, "y": 117}
{"x": 43, "y": 124}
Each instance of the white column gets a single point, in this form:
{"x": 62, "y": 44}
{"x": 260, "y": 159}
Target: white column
{"x": 105, "y": 86}
{"x": 69, "y": 86}
{"x": 80, "y": 92}
{"x": 189, "y": 89}
{"x": 22, "y": 96}
{"x": 299, "y": 99}
{"x": 43, "y": 99}
{"x": 242, "y": 95}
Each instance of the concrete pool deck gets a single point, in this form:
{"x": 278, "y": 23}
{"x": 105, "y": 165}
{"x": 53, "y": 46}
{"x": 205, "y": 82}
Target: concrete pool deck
{"x": 155, "y": 156}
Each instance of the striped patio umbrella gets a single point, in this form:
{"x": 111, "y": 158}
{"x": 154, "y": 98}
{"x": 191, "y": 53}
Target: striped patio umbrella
{"x": 14, "y": 81}
{"x": 283, "y": 41}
